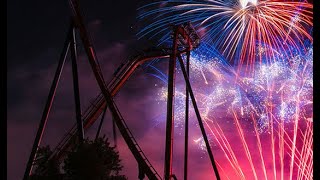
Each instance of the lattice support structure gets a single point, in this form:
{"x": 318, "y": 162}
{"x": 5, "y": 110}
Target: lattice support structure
{"x": 184, "y": 40}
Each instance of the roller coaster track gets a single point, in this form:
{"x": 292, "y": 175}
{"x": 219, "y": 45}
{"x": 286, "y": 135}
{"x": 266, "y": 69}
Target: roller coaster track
{"x": 92, "y": 113}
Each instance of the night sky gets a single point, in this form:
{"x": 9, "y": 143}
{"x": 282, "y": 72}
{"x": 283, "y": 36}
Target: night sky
{"x": 36, "y": 31}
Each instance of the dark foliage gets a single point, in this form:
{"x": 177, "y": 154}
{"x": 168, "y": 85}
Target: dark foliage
{"x": 94, "y": 160}
{"x": 91, "y": 160}
{"x": 45, "y": 168}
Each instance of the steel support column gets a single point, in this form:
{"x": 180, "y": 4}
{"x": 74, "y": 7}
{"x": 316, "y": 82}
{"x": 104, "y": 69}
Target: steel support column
{"x": 76, "y": 85}
{"x": 170, "y": 110}
{"x": 87, "y": 44}
{"x": 199, "y": 118}
{"x": 47, "y": 108}
{"x": 186, "y": 126}
{"x": 114, "y": 132}
{"x": 141, "y": 174}
{"x": 101, "y": 122}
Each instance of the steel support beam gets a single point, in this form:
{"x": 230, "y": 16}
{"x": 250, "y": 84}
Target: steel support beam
{"x": 87, "y": 44}
{"x": 48, "y": 105}
{"x": 114, "y": 131}
{"x": 141, "y": 174}
{"x": 76, "y": 85}
{"x": 101, "y": 122}
{"x": 170, "y": 110}
{"x": 186, "y": 126}
{"x": 199, "y": 117}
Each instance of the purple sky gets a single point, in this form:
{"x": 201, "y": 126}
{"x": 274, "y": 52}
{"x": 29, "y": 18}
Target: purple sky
{"x": 33, "y": 53}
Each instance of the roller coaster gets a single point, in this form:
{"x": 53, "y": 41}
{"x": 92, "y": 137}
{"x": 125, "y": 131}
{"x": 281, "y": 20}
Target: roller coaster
{"x": 185, "y": 39}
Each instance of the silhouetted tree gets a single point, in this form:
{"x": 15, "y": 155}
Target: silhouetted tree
{"x": 45, "y": 168}
{"x": 93, "y": 160}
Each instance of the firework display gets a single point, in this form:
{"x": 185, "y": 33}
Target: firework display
{"x": 269, "y": 113}
{"x": 252, "y": 78}
{"x": 242, "y": 30}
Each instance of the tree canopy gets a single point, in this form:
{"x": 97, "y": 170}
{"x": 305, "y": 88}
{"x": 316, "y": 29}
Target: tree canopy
{"x": 46, "y": 167}
{"x": 89, "y": 160}
{"x": 93, "y": 160}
